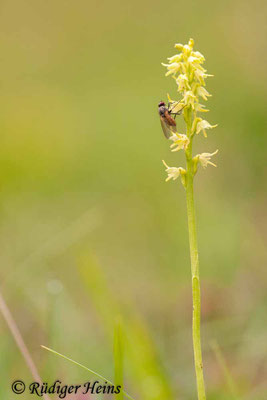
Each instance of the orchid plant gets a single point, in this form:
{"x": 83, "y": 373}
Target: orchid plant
{"x": 187, "y": 70}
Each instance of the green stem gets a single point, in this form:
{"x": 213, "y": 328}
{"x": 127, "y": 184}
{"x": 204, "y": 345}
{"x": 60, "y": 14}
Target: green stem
{"x": 194, "y": 265}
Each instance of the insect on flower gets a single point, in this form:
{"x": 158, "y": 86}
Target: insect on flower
{"x": 167, "y": 116}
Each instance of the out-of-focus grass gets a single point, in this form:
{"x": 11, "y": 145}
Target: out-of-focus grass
{"x": 147, "y": 375}
{"x": 80, "y": 83}
{"x": 118, "y": 351}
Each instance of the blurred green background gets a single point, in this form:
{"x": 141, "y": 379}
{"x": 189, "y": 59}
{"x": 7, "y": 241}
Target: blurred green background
{"x": 89, "y": 229}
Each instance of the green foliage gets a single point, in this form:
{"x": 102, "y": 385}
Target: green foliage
{"x": 143, "y": 364}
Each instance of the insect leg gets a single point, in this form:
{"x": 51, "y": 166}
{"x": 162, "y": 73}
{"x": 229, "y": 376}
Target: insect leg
{"x": 175, "y": 114}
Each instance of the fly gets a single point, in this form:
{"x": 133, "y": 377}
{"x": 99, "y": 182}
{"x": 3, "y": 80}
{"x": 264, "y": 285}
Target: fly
{"x": 167, "y": 117}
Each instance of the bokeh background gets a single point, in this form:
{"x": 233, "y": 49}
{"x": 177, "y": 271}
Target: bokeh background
{"x": 90, "y": 231}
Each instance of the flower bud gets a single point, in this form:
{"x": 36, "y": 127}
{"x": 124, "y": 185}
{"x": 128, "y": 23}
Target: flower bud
{"x": 191, "y": 43}
{"x": 179, "y": 46}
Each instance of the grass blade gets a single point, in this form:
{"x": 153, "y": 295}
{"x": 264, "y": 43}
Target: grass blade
{"x": 87, "y": 369}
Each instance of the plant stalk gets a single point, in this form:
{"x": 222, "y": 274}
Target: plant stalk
{"x": 189, "y": 187}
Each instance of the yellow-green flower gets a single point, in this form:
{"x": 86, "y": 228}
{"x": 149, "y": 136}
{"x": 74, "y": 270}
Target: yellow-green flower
{"x": 172, "y": 68}
{"x": 189, "y": 99}
{"x": 204, "y": 159}
{"x": 187, "y": 50}
{"x": 176, "y": 58}
{"x": 202, "y": 125}
{"x": 201, "y": 108}
{"x": 182, "y": 82}
{"x": 201, "y": 91}
{"x": 173, "y": 172}
{"x": 198, "y": 56}
{"x": 179, "y": 46}
{"x": 201, "y": 75}
{"x": 180, "y": 141}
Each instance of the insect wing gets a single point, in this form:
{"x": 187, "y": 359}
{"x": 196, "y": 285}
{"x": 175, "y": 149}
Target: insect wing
{"x": 167, "y": 130}
{"x": 176, "y": 107}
